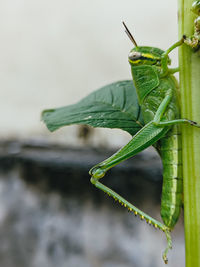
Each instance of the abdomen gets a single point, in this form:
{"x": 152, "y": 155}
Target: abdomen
{"x": 172, "y": 189}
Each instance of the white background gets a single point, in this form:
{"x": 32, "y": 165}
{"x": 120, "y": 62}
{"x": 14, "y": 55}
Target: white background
{"x": 53, "y": 53}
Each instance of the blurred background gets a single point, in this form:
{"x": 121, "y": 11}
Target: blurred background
{"x": 53, "y": 53}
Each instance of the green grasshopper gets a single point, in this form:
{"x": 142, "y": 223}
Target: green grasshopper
{"x": 158, "y": 97}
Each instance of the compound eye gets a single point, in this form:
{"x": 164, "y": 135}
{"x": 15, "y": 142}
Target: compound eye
{"x": 134, "y": 55}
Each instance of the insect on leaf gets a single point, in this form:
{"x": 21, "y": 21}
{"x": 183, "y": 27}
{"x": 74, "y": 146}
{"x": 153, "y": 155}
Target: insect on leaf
{"x": 112, "y": 106}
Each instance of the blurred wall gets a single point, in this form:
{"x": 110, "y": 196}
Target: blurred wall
{"x": 51, "y": 215}
{"x": 55, "y": 52}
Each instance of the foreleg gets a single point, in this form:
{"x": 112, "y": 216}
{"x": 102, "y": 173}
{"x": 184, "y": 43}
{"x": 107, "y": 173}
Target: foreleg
{"x": 161, "y": 110}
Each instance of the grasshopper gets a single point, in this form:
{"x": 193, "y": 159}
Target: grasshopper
{"x": 158, "y": 123}
{"x": 157, "y": 93}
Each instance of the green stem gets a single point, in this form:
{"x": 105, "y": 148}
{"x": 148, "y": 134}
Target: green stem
{"x": 190, "y": 108}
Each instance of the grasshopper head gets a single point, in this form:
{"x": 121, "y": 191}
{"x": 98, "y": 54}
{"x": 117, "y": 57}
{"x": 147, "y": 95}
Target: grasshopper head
{"x": 145, "y": 55}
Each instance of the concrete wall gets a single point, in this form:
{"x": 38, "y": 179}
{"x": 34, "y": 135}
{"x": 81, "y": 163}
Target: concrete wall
{"x": 51, "y": 215}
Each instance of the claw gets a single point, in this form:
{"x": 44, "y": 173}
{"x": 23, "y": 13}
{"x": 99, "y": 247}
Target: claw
{"x": 169, "y": 245}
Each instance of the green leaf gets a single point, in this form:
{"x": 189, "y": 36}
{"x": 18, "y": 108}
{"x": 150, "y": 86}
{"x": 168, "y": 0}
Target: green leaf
{"x": 112, "y": 106}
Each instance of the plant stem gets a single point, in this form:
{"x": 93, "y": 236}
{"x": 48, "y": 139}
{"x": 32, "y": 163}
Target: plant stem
{"x": 190, "y": 108}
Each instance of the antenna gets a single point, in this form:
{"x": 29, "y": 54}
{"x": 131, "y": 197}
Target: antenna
{"x": 129, "y": 34}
